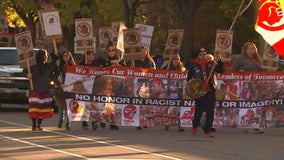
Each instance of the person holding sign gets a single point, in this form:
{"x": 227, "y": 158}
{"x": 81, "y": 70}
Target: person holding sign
{"x": 40, "y": 98}
{"x": 90, "y": 60}
{"x": 249, "y": 60}
{"x": 175, "y": 65}
{"x": 145, "y": 61}
{"x": 203, "y": 69}
{"x": 111, "y": 57}
{"x": 63, "y": 60}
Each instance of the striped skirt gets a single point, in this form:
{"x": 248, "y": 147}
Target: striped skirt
{"x": 40, "y": 105}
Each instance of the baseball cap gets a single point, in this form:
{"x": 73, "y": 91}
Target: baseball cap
{"x": 202, "y": 50}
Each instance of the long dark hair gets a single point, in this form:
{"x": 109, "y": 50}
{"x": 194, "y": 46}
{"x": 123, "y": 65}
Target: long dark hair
{"x": 40, "y": 61}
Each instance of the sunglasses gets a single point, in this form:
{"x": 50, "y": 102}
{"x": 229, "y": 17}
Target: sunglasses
{"x": 111, "y": 50}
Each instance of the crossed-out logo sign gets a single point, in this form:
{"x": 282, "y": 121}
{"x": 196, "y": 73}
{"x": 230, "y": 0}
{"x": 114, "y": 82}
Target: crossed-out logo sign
{"x": 129, "y": 112}
{"x": 174, "y": 40}
{"x": 132, "y": 38}
{"x": 270, "y": 23}
{"x": 84, "y": 29}
{"x": 224, "y": 41}
{"x": 24, "y": 43}
{"x": 106, "y": 35}
{"x": 51, "y": 20}
{"x": 270, "y": 52}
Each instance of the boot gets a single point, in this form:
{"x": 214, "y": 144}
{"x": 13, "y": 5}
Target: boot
{"x": 95, "y": 125}
{"x": 114, "y": 127}
{"x": 103, "y": 125}
{"x": 85, "y": 125}
{"x": 39, "y": 128}
{"x": 33, "y": 128}
{"x": 59, "y": 125}
{"x": 68, "y": 126}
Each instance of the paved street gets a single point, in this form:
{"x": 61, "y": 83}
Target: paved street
{"x": 19, "y": 142}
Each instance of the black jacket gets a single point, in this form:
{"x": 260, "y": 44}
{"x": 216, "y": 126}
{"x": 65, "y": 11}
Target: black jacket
{"x": 195, "y": 72}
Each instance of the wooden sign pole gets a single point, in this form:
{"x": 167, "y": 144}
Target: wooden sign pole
{"x": 26, "y": 55}
{"x": 170, "y": 61}
{"x": 54, "y": 46}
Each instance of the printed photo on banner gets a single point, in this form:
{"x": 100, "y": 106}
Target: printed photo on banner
{"x": 130, "y": 115}
{"x": 186, "y": 116}
{"x": 108, "y": 86}
{"x": 77, "y": 110}
{"x": 174, "y": 40}
{"x": 110, "y": 113}
{"x": 249, "y": 118}
{"x": 24, "y": 46}
{"x": 129, "y": 87}
{"x": 95, "y": 110}
{"x": 138, "y": 98}
{"x": 79, "y": 83}
{"x": 248, "y": 90}
{"x": 226, "y": 117}
{"x": 105, "y": 112}
{"x": 223, "y": 44}
{"x": 132, "y": 43}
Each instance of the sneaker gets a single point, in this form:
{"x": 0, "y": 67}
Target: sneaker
{"x": 85, "y": 125}
{"x": 138, "y": 128}
{"x": 167, "y": 127}
{"x": 33, "y": 128}
{"x": 180, "y": 129}
{"x": 211, "y": 129}
{"x": 39, "y": 128}
{"x": 194, "y": 131}
{"x": 259, "y": 130}
{"x": 68, "y": 126}
{"x": 95, "y": 126}
{"x": 114, "y": 127}
{"x": 209, "y": 134}
{"x": 103, "y": 125}
{"x": 59, "y": 125}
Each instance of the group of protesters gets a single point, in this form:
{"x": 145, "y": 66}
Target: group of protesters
{"x": 202, "y": 67}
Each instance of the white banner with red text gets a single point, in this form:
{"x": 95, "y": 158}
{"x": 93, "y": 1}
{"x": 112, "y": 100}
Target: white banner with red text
{"x": 129, "y": 96}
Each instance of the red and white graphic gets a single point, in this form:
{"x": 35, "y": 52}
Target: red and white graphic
{"x": 77, "y": 110}
{"x": 130, "y": 115}
{"x": 129, "y": 111}
{"x": 186, "y": 116}
{"x": 270, "y": 23}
